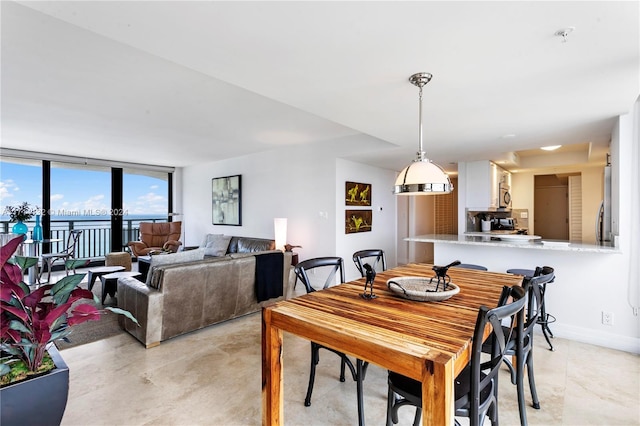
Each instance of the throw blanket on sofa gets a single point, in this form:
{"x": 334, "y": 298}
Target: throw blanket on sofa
{"x": 269, "y": 277}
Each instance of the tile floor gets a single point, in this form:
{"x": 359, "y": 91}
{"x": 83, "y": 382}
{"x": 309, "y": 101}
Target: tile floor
{"x": 213, "y": 377}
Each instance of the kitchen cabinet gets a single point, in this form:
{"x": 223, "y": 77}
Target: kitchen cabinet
{"x": 482, "y": 179}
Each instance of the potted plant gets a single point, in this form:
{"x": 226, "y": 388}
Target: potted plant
{"x": 20, "y": 214}
{"x": 32, "y": 320}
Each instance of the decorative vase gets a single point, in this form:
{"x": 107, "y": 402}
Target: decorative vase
{"x": 20, "y": 228}
{"x": 37, "y": 230}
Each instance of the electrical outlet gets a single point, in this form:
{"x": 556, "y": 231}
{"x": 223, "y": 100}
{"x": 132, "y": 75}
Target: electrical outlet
{"x": 607, "y": 318}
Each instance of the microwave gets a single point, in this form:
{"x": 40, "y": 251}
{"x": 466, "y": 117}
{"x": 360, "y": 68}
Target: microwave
{"x": 504, "y": 196}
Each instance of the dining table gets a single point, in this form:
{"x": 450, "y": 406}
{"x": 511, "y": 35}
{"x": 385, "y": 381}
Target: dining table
{"x": 429, "y": 341}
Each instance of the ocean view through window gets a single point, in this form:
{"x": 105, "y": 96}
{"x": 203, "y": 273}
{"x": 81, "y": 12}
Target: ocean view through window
{"x": 80, "y": 198}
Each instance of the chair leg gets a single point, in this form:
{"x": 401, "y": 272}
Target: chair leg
{"x": 416, "y": 418}
{"x": 521, "y": 398}
{"x": 532, "y": 381}
{"x": 392, "y": 417}
{"x": 545, "y": 330}
{"x": 312, "y": 373}
{"x": 342, "y": 366}
{"x": 360, "y": 378}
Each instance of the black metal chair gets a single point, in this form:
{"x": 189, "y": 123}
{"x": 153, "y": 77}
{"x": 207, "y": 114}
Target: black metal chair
{"x": 331, "y": 266}
{"x": 361, "y": 257}
{"x": 48, "y": 259}
{"x": 471, "y": 266}
{"x": 476, "y": 387}
{"x": 523, "y": 343}
{"x": 545, "y": 318}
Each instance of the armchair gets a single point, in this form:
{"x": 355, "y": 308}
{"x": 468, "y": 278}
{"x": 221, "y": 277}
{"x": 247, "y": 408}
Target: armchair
{"x": 157, "y": 236}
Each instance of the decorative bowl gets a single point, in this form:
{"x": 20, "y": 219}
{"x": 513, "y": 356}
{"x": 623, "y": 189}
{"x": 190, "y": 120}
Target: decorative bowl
{"x": 421, "y": 289}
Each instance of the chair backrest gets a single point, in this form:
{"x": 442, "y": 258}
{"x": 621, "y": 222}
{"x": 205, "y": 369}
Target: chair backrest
{"x": 542, "y": 275}
{"x": 483, "y": 373}
{"x": 156, "y": 234}
{"x": 72, "y": 241}
{"x": 377, "y": 255}
{"x": 328, "y": 265}
{"x": 471, "y": 266}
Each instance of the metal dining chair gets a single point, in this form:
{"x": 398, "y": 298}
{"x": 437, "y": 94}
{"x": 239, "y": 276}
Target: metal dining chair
{"x": 362, "y": 256}
{"x": 328, "y": 268}
{"x": 476, "y": 387}
{"x": 48, "y": 259}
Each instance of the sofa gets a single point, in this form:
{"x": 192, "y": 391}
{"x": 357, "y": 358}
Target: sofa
{"x": 189, "y": 290}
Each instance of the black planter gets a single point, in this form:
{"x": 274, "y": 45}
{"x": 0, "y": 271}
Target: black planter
{"x": 37, "y": 401}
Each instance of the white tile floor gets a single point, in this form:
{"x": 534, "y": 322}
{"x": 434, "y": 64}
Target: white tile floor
{"x": 213, "y": 377}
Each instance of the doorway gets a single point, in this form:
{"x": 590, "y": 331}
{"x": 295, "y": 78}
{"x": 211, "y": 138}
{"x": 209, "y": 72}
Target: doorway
{"x": 551, "y": 206}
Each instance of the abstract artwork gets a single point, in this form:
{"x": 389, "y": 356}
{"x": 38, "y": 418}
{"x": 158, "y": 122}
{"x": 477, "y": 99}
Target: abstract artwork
{"x": 357, "y": 221}
{"x": 357, "y": 194}
{"x": 226, "y": 200}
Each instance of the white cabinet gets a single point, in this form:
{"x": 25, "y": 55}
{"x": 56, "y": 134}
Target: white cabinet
{"x": 482, "y": 179}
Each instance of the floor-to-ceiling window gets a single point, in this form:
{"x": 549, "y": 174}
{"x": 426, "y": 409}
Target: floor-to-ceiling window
{"x": 80, "y": 199}
{"x": 145, "y": 196}
{"x": 105, "y": 199}
{"x": 20, "y": 181}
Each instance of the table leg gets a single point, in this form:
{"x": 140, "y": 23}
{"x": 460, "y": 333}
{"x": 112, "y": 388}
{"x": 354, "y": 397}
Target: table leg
{"x": 272, "y": 374}
{"x": 438, "y": 394}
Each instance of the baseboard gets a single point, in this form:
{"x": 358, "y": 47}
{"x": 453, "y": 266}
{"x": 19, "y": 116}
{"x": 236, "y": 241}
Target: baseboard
{"x": 595, "y": 337}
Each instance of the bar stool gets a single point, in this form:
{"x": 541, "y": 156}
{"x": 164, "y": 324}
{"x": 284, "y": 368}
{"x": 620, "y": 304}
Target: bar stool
{"x": 545, "y": 318}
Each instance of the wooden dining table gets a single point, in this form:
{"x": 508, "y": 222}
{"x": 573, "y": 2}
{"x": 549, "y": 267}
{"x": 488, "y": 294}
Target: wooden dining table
{"x": 427, "y": 341}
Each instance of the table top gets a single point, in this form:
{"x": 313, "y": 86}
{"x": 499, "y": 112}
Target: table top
{"x": 106, "y": 269}
{"x": 122, "y": 274}
{"x": 45, "y": 241}
{"x": 410, "y": 329}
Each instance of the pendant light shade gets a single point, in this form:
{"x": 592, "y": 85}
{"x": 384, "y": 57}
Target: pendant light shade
{"x": 422, "y": 176}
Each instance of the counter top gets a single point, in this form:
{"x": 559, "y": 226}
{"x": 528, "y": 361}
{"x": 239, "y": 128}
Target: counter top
{"x": 488, "y": 240}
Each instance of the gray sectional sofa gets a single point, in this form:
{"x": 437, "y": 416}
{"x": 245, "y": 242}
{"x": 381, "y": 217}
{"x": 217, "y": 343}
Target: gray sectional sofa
{"x": 191, "y": 291}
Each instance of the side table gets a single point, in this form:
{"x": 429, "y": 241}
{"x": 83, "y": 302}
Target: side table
{"x": 110, "y": 282}
{"x": 100, "y": 271}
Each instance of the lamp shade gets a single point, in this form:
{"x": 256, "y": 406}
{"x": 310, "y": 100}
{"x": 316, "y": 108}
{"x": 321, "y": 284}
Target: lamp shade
{"x": 422, "y": 177}
{"x": 280, "y": 231}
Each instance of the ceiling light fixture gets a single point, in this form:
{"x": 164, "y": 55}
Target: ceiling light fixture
{"x": 551, "y": 147}
{"x": 422, "y": 176}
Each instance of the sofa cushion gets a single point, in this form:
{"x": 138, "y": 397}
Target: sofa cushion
{"x": 216, "y": 244}
{"x": 250, "y": 245}
{"x": 173, "y": 258}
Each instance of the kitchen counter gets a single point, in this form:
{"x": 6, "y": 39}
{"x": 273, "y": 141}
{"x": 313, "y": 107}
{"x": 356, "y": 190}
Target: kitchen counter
{"x": 487, "y": 239}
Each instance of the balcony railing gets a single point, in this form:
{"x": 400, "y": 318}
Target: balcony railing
{"x": 95, "y": 240}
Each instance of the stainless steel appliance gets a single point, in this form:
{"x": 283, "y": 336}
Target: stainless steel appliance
{"x": 504, "y": 224}
{"x": 504, "y": 196}
{"x": 603, "y": 221}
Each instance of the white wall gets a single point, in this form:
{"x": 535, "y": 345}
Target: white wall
{"x": 299, "y": 183}
{"x": 383, "y": 204}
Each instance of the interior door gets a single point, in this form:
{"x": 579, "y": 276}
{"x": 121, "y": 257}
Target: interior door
{"x": 551, "y": 210}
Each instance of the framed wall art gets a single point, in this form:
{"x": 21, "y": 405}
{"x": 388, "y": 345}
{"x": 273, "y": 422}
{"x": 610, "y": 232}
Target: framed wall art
{"x": 226, "y": 200}
{"x": 357, "y": 194}
{"x": 357, "y": 221}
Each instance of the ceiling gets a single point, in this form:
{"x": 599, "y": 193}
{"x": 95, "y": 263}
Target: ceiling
{"x": 179, "y": 83}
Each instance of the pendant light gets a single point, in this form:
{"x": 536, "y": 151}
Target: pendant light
{"x": 422, "y": 176}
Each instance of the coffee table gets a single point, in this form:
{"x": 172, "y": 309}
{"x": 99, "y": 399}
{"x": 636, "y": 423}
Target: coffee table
{"x": 110, "y": 282}
{"x": 100, "y": 271}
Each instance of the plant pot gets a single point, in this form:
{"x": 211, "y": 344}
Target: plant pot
{"x": 37, "y": 401}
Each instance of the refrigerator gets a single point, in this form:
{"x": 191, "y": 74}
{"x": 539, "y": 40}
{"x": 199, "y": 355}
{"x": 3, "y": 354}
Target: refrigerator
{"x": 603, "y": 221}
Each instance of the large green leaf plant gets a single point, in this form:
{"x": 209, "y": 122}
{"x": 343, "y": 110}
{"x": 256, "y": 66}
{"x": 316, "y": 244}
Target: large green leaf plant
{"x": 32, "y": 319}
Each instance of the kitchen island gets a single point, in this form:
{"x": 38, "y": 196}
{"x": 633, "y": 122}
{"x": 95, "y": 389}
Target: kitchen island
{"x": 509, "y": 241}
{"x": 590, "y": 280}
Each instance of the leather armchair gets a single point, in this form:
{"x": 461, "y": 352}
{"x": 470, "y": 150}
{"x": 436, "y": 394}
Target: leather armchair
{"x": 162, "y": 236}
